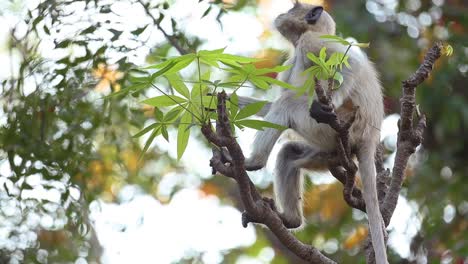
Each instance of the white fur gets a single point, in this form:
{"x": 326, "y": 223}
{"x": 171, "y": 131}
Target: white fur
{"x": 361, "y": 85}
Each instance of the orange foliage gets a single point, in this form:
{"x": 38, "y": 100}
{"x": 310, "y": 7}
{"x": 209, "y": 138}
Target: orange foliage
{"x": 130, "y": 159}
{"x": 210, "y": 189}
{"x": 108, "y": 77}
{"x": 52, "y": 238}
{"x": 269, "y": 58}
{"x": 356, "y": 237}
{"x": 326, "y": 200}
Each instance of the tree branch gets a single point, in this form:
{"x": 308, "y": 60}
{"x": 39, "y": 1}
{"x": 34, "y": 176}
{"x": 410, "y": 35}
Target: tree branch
{"x": 157, "y": 22}
{"x": 258, "y": 209}
{"x": 409, "y": 135}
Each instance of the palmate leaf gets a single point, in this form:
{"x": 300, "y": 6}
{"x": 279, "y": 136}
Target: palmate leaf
{"x": 165, "y": 100}
{"x": 333, "y": 38}
{"x": 155, "y": 133}
{"x": 212, "y": 57}
{"x": 131, "y": 88}
{"x": 146, "y": 130}
{"x": 323, "y": 54}
{"x": 278, "y": 82}
{"x": 250, "y": 110}
{"x": 174, "y": 60}
{"x": 338, "y": 77}
{"x": 233, "y": 106}
{"x": 183, "y": 134}
{"x": 275, "y": 69}
{"x": 259, "y": 83}
{"x": 258, "y": 124}
{"x": 178, "y": 84}
{"x": 174, "y": 113}
{"x": 200, "y": 88}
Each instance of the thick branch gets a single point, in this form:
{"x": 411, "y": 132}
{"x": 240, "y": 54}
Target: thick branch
{"x": 258, "y": 209}
{"x": 409, "y": 135}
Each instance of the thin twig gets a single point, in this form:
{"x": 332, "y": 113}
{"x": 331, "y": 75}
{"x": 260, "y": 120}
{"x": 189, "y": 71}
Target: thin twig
{"x": 169, "y": 38}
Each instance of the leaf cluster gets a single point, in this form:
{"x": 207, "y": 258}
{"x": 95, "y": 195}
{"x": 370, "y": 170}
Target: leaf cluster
{"x": 193, "y": 102}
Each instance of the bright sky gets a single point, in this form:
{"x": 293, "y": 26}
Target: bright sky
{"x": 192, "y": 224}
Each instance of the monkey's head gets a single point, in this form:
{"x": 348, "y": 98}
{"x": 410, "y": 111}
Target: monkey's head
{"x": 302, "y": 18}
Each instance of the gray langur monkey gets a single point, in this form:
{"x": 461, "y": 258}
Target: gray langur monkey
{"x": 302, "y": 26}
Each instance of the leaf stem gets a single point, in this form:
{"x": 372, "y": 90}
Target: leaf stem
{"x": 200, "y": 87}
{"x": 179, "y": 104}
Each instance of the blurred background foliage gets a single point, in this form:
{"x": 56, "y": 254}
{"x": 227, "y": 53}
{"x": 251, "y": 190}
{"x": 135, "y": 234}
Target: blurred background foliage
{"x": 63, "y": 147}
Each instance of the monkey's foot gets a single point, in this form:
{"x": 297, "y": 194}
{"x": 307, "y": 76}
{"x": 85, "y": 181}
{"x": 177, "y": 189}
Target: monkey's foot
{"x": 252, "y": 165}
{"x": 291, "y": 223}
{"x": 322, "y": 113}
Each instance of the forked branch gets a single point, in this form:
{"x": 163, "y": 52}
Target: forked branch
{"x": 258, "y": 209}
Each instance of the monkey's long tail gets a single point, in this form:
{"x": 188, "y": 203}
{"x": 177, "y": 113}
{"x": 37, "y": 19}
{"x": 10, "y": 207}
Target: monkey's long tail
{"x": 244, "y": 101}
{"x": 368, "y": 176}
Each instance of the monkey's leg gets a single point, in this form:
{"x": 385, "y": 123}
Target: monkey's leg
{"x": 266, "y": 139}
{"x": 288, "y": 181}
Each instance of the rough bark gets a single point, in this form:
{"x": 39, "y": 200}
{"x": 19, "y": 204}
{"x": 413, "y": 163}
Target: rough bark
{"x": 262, "y": 210}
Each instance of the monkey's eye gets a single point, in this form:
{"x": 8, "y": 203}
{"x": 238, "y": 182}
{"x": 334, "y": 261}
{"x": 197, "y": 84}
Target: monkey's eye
{"x": 313, "y": 15}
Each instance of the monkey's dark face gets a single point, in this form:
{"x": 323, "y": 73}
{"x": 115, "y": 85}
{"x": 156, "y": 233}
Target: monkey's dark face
{"x": 302, "y": 18}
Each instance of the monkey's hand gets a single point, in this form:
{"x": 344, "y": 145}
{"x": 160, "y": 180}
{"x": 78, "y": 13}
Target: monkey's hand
{"x": 252, "y": 165}
{"x": 322, "y": 113}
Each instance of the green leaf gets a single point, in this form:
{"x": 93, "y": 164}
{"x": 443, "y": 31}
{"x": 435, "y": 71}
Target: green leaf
{"x": 250, "y": 109}
{"x": 234, "y": 105}
{"x": 258, "y": 82}
{"x": 175, "y": 60}
{"x": 138, "y": 31}
{"x": 207, "y": 11}
{"x": 162, "y": 71}
{"x": 155, "y": 133}
{"x": 209, "y": 61}
{"x": 173, "y": 113}
{"x": 158, "y": 114}
{"x": 278, "y": 82}
{"x": 210, "y": 101}
{"x": 229, "y": 58}
{"x": 334, "y": 38}
{"x": 200, "y": 88}
{"x": 259, "y": 124}
{"x": 181, "y": 64}
{"x": 276, "y": 69}
{"x": 346, "y": 63}
{"x": 323, "y": 54}
{"x": 164, "y": 133}
{"x": 447, "y": 50}
{"x": 338, "y": 77}
{"x": 176, "y": 82}
{"x": 361, "y": 45}
{"x": 132, "y": 88}
{"x": 314, "y": 58}
{"x": 146, "y": 130}
{"x": 309, "y": 86}
{"x": 208, "y": 53}
{"x": 164, "y": 100}
{"x": 64, "y": 43}
{"x": 183, "y": 134}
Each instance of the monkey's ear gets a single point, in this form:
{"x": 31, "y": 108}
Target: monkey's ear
{"x": 313, "y": 15}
